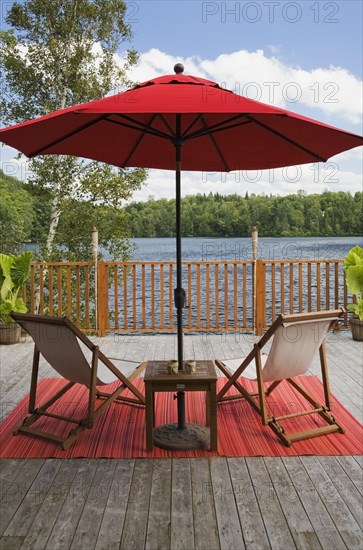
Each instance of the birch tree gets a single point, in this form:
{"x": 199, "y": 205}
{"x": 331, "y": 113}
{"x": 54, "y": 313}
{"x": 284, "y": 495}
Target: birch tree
{"x": 56, "y": 54}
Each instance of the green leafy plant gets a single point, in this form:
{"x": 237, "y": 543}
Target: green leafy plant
{"x": 14, "y": 272}
{"x": 353, "y": 266}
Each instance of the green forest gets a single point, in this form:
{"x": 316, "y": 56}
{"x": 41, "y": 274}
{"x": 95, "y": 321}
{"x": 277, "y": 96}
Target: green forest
{"x": 25, "y": 211}
{"x": 215, "y": 215}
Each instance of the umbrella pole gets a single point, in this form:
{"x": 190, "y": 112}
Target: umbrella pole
{"x": 180, "y": 436}
{"x": 179, "y": 294}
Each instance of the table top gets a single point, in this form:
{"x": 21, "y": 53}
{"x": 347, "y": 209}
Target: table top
{"x": 157, "y": 371}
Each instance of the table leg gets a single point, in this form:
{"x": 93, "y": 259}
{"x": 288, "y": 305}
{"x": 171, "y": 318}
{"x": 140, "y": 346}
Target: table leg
{"x": 149, "y": 416}
{"x": 207, "y": 407}
{"x": 213, "y": 417}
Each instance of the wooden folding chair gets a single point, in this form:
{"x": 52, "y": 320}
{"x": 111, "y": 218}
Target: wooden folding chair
{"x": 296, "y": 341}
{"x": 57, "y": 339}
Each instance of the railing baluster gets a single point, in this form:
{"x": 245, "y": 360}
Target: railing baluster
{"x": 282, "y": 285}
{"x": 50, "y": 290}
{"x": 244, "y": 294}
{"x": 301, "y": 287}
{"x": 41, "y": 289}
{"x": 198, "y": 295}
{"x": 336, "y": 285}
{"x": 225, "y": 295}
{"x": 171, "y": 296}
{"x": 190, "y": 295}
{"x": 32, "y": 286}
{"x": 162, "y": 296}
{"x": 235, "y": 296}
{"x": 273, "y": 290}
{"x": 115, "y": 294}
{"x": 216, "y": 279}
{"x": 134, "y": 296}
{"x": 60, "y": 293}
{"x": 327, "y": 287}
{"x": 207, "y": 291}
{"x": 152, "y": 295}
{"x": 318, "y": 285}
{"x": 87, "y": 297}
{"x": 125, "y": 297}
{"x": 78, "y": 293}
{"x": 291, "y": 297}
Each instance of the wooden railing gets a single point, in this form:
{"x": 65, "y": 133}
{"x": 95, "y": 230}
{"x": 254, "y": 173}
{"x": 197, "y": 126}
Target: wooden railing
{"x": 221, "y": 296}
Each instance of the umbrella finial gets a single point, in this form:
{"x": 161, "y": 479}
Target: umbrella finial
{"x": 178, "y": 68}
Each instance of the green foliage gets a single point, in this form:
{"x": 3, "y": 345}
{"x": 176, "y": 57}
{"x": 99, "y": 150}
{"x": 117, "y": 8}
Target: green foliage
{"x": 14, "y": 272}
{"x": 74, "y": 235}
{"x": 219, "y": 216}
{"x": 353, "y": 266}
{"x": 57, "y": 54}
{"x": 16, "y": 214}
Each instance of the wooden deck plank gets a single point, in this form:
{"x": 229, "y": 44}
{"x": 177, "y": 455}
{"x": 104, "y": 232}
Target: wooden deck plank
{"x": 181, "y": 527}
{"x": 348, "y": 528}
{"x": 14, "y": 493}
{"x": 47, "y": 513}
{"x": 25, "y": 514}
{"x": 253, "y": 528}
{"x": 9, "y": 469}
{"x": 300, "y": 526}
{"x": 110, "y": 532}
{"x": 11, "y": 543}
{"x": 344, "y": 485}
{"x": 66, "y": 524}
{"x": 204, "y": 514}
{"x": 353, "y": 470}
{"x": 275, "y": 522}
{"x": 158, "y": 528}
{"x": 309, "y": 495}
{"x": 89, "y": 523}
{"x": 135, "y": 525}
{"x": 229, "y": 527}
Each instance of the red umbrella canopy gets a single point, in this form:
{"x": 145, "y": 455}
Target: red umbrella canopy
{"x": 217, "y": 129}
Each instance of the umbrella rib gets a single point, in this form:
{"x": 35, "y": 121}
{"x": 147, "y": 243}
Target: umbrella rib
{"x": 138, "y": 142}
{"x": 292, "y": 142}
{"x": 193, "y": 123}
{"x": 66, "y": 136}
{"x": 167, "y": 125}
{"x": 218, "y": 127}
{"x": 216, "y": 146}
{"x": 136, "y": 125}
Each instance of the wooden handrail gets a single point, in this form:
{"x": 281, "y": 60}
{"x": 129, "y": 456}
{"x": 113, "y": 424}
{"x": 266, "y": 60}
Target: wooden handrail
{"x": 222, "y": 295}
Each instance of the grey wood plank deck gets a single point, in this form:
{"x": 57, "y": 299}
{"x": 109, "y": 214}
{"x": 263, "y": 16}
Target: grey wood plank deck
{"x": 206, "y": 504}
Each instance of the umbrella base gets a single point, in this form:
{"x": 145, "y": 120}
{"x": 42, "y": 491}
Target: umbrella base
{"x": 192, "y": 436}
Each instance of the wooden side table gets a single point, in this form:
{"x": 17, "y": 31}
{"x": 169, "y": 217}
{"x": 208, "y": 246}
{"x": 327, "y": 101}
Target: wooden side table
{"x": 157, "y": 379}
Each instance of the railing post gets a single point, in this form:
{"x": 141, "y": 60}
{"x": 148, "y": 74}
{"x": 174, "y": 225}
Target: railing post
{"x": 102, "y": 299}
{"x": 260, "y": 307}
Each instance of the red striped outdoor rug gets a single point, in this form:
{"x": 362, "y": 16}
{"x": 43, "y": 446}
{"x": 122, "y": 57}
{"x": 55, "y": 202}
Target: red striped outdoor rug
{"x": 119, "y": 432}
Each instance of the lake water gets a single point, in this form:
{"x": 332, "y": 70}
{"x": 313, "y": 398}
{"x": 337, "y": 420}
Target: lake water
{"x": 221, "y": 249}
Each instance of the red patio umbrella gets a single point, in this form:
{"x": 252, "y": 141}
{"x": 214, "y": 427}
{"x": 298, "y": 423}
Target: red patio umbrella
{"x": 181, "y": 122}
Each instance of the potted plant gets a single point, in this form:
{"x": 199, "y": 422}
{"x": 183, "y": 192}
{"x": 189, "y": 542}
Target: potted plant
{"x": 353, "y": 266}
{"x": 14, "y": 272}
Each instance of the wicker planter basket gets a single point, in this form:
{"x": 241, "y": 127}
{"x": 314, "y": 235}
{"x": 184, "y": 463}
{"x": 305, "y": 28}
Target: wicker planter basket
{"x": 10, "y": 333}
{"x": 357, "y": 328}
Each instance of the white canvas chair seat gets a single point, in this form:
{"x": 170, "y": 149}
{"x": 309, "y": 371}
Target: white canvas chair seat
{"x": 58, "y": 340}
{"x": 296, "y": 341}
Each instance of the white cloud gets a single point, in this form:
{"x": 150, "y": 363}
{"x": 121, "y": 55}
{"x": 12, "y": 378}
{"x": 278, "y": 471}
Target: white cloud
{"x": 328, "y": 93}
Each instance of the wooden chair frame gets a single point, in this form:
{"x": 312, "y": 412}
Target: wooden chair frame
{"x": 258, "y": 399}
{"x": 92, "y": 413}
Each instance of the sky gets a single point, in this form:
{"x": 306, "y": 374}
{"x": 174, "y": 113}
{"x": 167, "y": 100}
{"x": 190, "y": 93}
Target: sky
{"x": 304, "y": 56}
